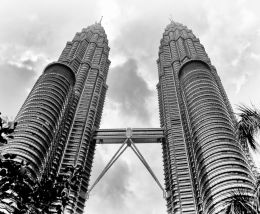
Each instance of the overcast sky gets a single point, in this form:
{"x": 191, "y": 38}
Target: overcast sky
{"x": 33, "y": 33}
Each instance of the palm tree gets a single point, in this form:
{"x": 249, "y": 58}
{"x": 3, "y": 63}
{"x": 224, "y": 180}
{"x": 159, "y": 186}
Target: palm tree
{"x": 248, "y": 125}
{"x": 241, "y": 202}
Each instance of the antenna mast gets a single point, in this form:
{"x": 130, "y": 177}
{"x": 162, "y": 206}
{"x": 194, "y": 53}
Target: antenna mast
{"x": 171, "y": 19}
{"x": 101, "y": 20}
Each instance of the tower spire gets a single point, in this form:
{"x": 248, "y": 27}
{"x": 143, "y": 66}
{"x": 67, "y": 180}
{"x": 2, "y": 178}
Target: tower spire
{"x": 170, "y": 18}
{"x": 100, "y": 20}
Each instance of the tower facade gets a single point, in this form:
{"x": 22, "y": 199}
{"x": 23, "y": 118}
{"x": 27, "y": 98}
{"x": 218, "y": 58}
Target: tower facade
{"x": 59, "y": 116}
{"x": 203, "y": 161}
{"x": 87, "y": 54}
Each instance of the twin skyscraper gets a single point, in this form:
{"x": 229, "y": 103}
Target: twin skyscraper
{"x": 203, "y": 160}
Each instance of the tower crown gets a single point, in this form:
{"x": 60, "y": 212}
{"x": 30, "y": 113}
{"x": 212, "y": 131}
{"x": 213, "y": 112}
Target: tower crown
{"x": 179, "y": 44}
{"x": 174, "y": 24}
{"x": 175, "y": 30}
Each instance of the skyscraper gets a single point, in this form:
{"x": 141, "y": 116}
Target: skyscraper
{"x": 88, "y": 56}
{"x": 63, "y": 110}
{"x": 203, "y": 162}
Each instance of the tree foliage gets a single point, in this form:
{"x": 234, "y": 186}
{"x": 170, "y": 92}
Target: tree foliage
{"x": 248, "y": 125}
{"x": 20, "y": 193}
{"x": 16, "y": 185}
{"x": 6, "y": 130}
{"x": 241, "y": 202}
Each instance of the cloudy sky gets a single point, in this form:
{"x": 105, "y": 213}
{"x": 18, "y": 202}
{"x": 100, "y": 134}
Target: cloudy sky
{"x": 33, "y": 33}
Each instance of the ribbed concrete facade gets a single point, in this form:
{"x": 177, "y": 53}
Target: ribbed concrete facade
{"x": 202, "y": 159}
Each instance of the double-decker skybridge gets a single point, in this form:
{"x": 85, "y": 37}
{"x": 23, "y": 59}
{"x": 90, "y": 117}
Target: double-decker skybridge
{"x": 128, "y": 138}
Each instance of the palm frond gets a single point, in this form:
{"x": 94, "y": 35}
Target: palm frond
{"x": 240, "y": 202}
{"x": 257, "y": 193}
{"x": 248, "y": 125}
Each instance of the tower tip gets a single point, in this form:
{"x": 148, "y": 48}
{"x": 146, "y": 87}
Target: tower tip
{"x": 170, "y": 18}
{"x": 100, "y": 20}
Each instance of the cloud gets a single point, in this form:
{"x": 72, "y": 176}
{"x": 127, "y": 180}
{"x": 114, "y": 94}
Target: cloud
{"x": 127, "y": 184}
{"x": 13, "y": 83}
{"x": 239, "y": 82}
{"x": 115, "y": 188}
{"x": 19, "y": 70}
{"x": 112, "y": 191}
{"x": 129, "y": 90}
{"x": 29, "y": 60}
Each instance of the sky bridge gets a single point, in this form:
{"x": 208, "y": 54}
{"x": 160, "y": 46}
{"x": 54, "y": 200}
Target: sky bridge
{"x": 128, "y": 138}
{"x": 138, "y": 135}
